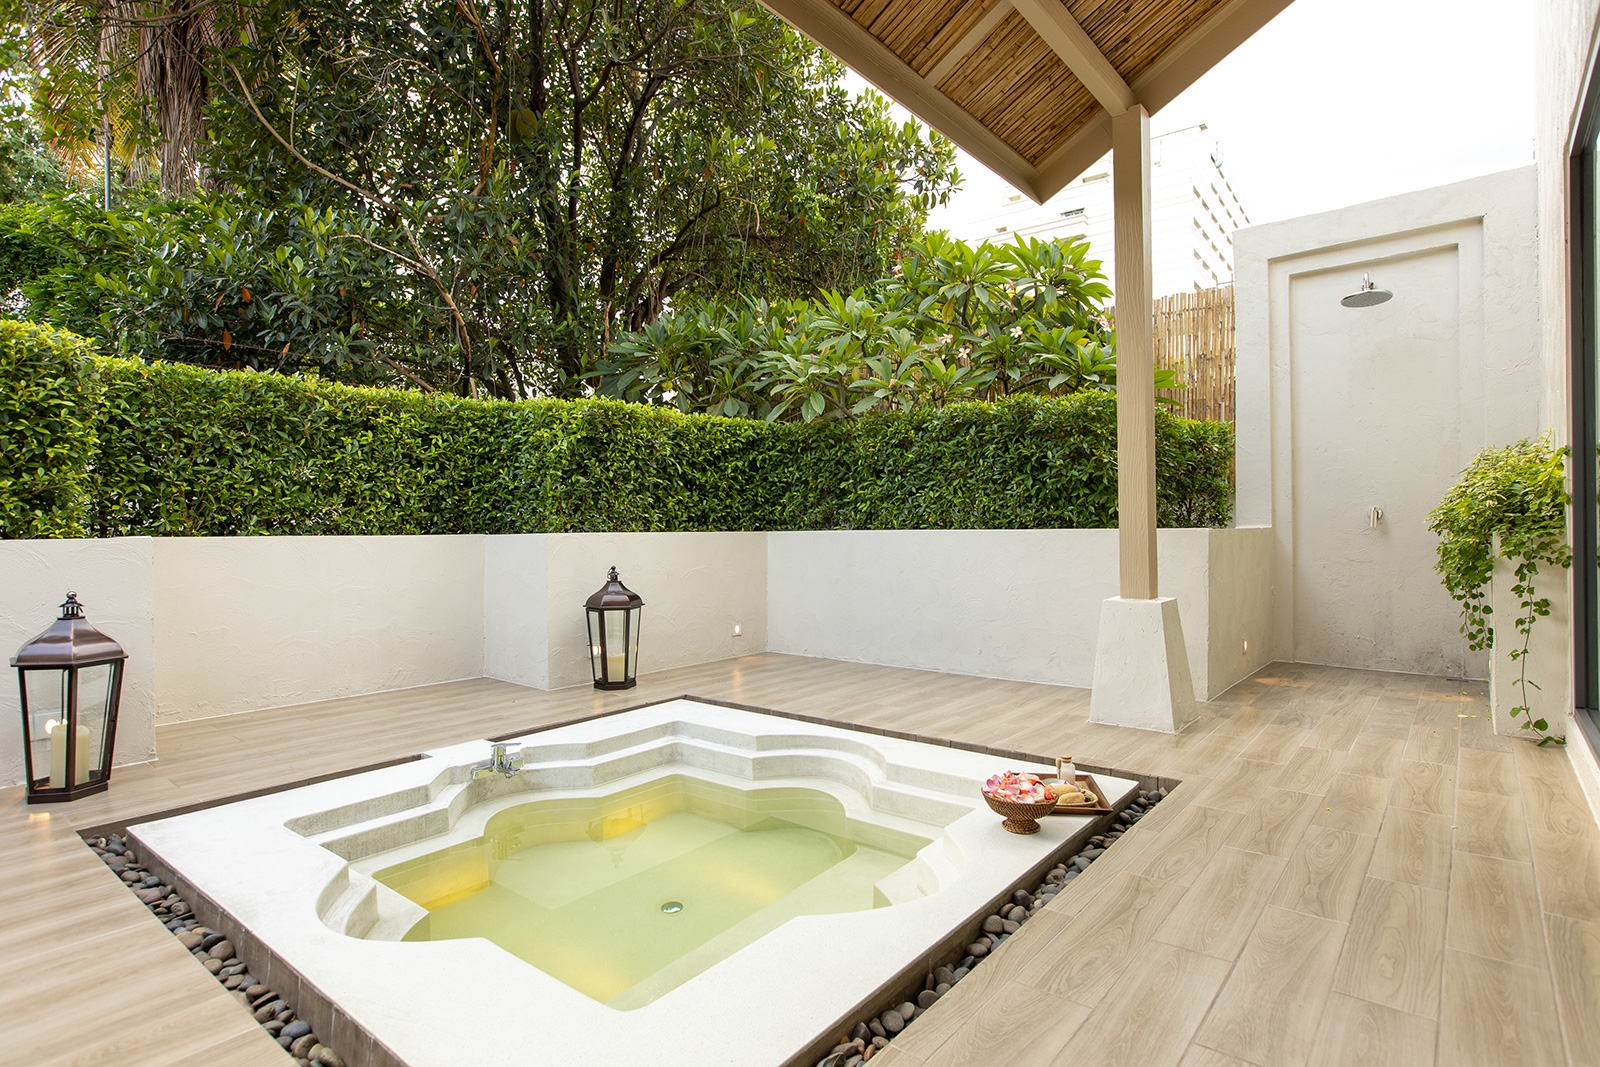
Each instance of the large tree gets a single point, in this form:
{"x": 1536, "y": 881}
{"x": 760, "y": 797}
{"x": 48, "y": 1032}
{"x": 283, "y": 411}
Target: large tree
{"x": 525, "y": 178}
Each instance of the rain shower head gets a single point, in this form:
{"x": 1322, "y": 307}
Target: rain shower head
{"x": 1367, "y": 296}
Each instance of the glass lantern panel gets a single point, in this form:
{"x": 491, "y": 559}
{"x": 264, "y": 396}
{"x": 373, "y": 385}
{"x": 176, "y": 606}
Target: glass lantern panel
{"x": 616, "y": 645}
{"x": 595, "y": 661}
{"x": 47, "y": 709}
{"x": 633, "y": 639}
{"x": 94, "y": 712}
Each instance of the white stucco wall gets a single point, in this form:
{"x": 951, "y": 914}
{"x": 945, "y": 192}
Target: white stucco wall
{"x": 113, "y": 580}
{"x": 219, "y": 626}
{"x": 1021, "y": 604}
{"x": 1345, "y": 409}
{"x": 244, "y": 623}
{"x": 516, "y": 609}
{"x": 1239, "y": 606}
{"x": 696, "y": 587}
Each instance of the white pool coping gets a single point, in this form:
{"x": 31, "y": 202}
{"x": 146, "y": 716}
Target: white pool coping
{"x": 447, "y": 1003}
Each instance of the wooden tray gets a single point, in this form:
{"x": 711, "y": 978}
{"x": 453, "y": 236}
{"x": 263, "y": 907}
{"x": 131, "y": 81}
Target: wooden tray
{"x": 1085, "y": 781}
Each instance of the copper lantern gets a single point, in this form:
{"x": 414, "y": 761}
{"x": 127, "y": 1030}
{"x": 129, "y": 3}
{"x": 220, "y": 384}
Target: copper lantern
{"x": 71, "y": 682}
{"x": 613, "y": 613}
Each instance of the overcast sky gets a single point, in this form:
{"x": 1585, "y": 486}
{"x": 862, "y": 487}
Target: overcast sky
{"x": 1336, "y": 102}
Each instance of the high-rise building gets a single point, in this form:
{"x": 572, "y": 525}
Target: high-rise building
{"x": 1194, "y": 211}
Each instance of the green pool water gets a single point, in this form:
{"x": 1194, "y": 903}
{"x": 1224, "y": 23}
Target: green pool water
{"x": 628, "y": 896}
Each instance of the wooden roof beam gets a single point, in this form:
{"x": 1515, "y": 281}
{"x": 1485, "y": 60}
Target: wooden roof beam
{"x": 872, "y": 59}
{"x": 1207, "y": 44}
{"x": 969, "y": 40}
{"x": 1054, "y": 24}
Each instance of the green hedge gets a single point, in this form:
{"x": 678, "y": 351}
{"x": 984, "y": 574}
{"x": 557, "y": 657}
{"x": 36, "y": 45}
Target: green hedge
{"x": 47, "y": 430}
{"x": 116, "y": 447}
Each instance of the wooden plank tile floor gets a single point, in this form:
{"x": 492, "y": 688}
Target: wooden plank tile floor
{"x": 1355, "y": 870}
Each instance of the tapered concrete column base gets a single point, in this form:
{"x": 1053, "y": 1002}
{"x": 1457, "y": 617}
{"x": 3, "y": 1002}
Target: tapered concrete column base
{"x": 1141, "y": 667}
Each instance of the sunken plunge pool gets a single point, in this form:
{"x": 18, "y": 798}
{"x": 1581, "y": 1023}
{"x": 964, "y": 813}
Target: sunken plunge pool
{"x": 684, "y": 883}
{"x": 626, "y": 896}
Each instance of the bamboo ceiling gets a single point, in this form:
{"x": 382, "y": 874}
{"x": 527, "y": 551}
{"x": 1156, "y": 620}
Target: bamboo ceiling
{"x": 1029, "y": 86}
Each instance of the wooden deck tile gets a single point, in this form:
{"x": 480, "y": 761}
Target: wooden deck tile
{"x": 1491, "y": 824}
{"x": 1277, "y": 823}
{"x": 1433, "y": 744}
{"x": 1240, "y": 924}
{"x": 1325, "y": 873}
{"x": 1488, "y": 912}
{"x": 990, "y": 1033}
{"x": 1356, "y": 1031}
{"x": 1487, "y": 772}
{"x": 1152, "y": 1012}
{"x": 1195, "y": 836}
{"x": 1395, "y": 948}
{"x": 1568, "y": 872}
{"x": 1310, "y": 770}
{"x": 1222, "y": 906}
{"x": 1413, "y": 846}
{"x": 1102, "y": 938}
{"x": 1425, "y": 786}
{"x": 1354, "y": 802}
{"x": 1379, "y": 757}
{"x": 1496, "y": 1014}
{"x": 1575, "y": 968}
{"x": 1268, "y": 1010}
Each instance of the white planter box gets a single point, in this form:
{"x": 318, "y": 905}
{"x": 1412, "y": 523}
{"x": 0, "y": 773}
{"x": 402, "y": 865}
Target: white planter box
{"x": 1548, "y": 653}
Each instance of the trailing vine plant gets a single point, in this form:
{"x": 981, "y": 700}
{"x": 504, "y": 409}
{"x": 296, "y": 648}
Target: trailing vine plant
{"x": 1518, "y": 494}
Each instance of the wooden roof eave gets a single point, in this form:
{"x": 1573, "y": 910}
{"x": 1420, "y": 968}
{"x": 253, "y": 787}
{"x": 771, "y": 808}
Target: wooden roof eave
{"x": 1200, "y": 49}
{"x": 870, "y": 58}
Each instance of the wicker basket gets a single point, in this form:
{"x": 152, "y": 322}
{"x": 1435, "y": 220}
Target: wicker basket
{"x": 1022, "y": 816}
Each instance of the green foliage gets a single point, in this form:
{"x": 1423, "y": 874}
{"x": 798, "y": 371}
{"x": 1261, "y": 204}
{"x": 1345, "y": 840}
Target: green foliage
{"x": 214, "y": 282}
{"x": 47, "y": 406}
{"x": 177, "y": 450}
{"x": 1517, "y": 495}
{"x": 27, "y": 170}
{"x": 471, "y": 196}
{"x": 952, "y": 322}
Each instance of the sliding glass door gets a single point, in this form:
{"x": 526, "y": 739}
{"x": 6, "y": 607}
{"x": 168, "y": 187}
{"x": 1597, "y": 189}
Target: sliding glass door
{"x": 1584, "y": 298}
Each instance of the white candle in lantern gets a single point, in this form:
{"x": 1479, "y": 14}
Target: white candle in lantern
{"x": 614, "y": 667}
{"x": 58, "y": 754}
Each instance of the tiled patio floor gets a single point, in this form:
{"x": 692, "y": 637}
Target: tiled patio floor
{"x": 1355, "y": 870}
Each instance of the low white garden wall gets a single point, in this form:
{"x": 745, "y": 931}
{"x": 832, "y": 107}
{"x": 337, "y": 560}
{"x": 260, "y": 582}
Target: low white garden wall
{"x": 696, "y": 587}
{"x": 219, "y": 626}
{"x": 244, "y": 623}
{"x": 1017, "y": 604}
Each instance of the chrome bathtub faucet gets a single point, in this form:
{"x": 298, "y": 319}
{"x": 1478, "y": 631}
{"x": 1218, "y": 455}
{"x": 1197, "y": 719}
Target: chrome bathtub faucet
{"x": 498, "y": 763}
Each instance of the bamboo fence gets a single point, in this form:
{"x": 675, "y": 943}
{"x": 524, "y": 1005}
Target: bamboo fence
{"x": 1194, "y": 339}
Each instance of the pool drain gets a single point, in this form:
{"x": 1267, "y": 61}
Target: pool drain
{"x": 671, "y": 907}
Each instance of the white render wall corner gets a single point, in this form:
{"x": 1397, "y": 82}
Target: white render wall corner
{"x": 1341, "y": 410}
{"x": 516, "y": 609}
{"x": 113, "y": 580}
{"x": 1015, "y": 604}
{"x": 696, "y": 587}
{"x": 245, "y": 623}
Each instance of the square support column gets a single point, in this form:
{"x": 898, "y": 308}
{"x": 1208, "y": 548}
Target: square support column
{"x": 1136, "y": 355}
{"x": 1141, "y": 665}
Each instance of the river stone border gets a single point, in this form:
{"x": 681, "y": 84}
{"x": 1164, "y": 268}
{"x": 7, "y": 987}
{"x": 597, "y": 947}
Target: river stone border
{"x": 873, "y": 1035}
{"x": 215, "y": 952}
